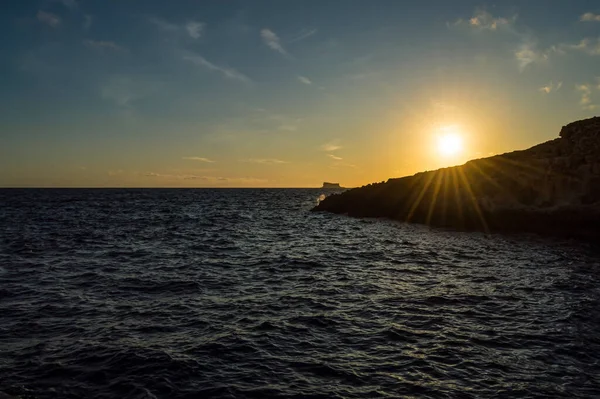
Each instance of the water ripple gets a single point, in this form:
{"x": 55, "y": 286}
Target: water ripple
{"x": 246, "y": 294}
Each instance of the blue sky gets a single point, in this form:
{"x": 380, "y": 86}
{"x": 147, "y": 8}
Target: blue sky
{"x": 282, "y": 93}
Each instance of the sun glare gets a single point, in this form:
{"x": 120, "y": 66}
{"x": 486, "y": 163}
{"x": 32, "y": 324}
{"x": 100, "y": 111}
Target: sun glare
{"x": 449, "y": 141}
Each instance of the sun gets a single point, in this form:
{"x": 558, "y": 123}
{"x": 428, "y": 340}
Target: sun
{"x": 449, "y": 141}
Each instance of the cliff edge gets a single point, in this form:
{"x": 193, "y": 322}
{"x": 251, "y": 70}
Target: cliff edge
{"x": 551, "y": 188}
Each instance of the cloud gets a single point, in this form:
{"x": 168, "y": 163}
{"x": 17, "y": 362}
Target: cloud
{"x": 194, "y": 29}
{"x": 99, "y": 44}
{"x": 199, "y": 159}
{"x": 49, "y": 19}
{"x": 328, "y": 147}
{"x": 334, "y": 157}
{"x": 229, "y": 73}
{"x": 586, "y": 93}
{"x": 304, "y": 80}
{"x": 305, "y": 33}
{"x": 482, "y": 19}
{"x": 272, "y": 40}
{"x": 590, "y": 17}
{"x": 550, "y": 87}
{"x": 527, "y": 53}
{"x": 586, "y": 96}
{"x": 587, "y": 45}
{"x": 265, "y": 161}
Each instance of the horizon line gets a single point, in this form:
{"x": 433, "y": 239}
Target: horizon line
{"x": 149, "y": 188}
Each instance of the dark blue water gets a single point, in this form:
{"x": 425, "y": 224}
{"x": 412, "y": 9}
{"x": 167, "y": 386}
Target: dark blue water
{"x": 246, "y": 294}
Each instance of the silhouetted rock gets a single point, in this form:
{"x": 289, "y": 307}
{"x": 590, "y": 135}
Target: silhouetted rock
{"x": 551, "y": 188}
{"x": 331, "y": 185}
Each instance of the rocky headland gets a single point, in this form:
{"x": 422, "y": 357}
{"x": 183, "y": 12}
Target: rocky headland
{"x": 552, "y": 188}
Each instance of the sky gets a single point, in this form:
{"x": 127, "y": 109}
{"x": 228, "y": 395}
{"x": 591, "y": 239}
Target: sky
{"x": 228, "y": 93}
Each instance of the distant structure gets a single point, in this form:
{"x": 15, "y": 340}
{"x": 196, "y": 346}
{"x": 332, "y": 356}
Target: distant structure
{"x": 331, "y": 185}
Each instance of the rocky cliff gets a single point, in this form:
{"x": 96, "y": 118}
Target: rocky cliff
{"x": 551, "y": 188}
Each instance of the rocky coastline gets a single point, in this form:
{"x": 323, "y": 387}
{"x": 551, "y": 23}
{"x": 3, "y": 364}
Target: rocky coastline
{"x": 551, "y": 189}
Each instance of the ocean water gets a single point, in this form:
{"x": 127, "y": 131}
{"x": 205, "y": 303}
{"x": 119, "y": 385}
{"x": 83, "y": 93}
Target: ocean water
{"x": 246, "y": 294}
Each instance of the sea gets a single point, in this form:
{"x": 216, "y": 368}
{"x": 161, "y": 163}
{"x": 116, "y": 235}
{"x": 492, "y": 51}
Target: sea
{"x": 245, "y": 293}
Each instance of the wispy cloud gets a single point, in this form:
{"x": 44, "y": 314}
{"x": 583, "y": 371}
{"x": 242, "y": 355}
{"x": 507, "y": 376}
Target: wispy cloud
{"x": 229, "y": 73}
{"x": 271, "y": 39}
{"x": 265, "y": 161}
{"x": 528, "y": 53}
{"x": 334, "y": 157}
{"x": 304, "y": 34}
{"x": 585, "y": 101}
{"x": 304, "y": 80}
{"x": 483, "y": 20}
{"x": 328, "y": 147}
{"x": 99, "y": 44}
{"x": 586, "y": 93}
{"x": 590, "y": 17}
{"x": 550, "y": 87}
{"x": 49, "y": 19}
{"x": 199, "y": 159}
{"x": 587, "y": 45}
{"x": 194, "y": 29}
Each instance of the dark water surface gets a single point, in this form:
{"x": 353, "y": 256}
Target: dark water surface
{"x": 246, "y": 294}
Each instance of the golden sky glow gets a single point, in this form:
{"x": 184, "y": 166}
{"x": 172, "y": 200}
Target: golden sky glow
{"x": 210, "y": 95}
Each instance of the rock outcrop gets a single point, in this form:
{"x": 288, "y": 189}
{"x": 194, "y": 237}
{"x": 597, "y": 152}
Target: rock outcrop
{"x": 551, "y": 188}
{"x": 331, "y": 185}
